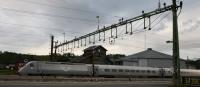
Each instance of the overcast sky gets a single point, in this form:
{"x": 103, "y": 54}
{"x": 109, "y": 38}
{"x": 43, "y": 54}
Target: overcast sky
{"x": 26, "y": 25}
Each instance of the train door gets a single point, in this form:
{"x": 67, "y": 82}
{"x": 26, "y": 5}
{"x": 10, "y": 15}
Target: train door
{"x": 96, "y": 72}
{"x": 37, "y": 67}
{"x": 93, "y": 71}
{"x": 161, "y": 72}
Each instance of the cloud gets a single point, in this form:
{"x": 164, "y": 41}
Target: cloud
{"x": 29, "y": 33}
{"x": 190, "y": 25}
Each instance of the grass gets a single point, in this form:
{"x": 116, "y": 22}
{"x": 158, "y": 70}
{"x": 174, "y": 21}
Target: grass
{"x": 7, "y": 72}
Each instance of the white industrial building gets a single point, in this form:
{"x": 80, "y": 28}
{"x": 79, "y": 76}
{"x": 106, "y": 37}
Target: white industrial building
{"x": 150, "y": 58}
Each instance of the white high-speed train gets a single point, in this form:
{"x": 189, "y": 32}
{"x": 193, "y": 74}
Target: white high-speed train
{"x": 69, "y": 69}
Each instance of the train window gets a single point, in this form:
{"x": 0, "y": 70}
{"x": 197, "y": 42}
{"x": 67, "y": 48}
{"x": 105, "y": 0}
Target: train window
{"x": 31, "y": 65}
{"x": 126, "y": 70}
{"x": 143, "y": 71}
{"x": 114, "y": 70}
{"x": 132, "y": 70}
{"x": 153, "y": 71}
{"x": 120, "y": 70}
{"x": 106, "y": 70}
{"x": 148, "y": 71}
{"x": 137, "y": 71}
{"x": 182, "y": 72}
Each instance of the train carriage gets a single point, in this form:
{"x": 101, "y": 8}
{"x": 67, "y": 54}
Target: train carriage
{"x": 71, "y": 69}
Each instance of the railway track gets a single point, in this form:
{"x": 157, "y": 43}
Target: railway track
{"x": 73, "y": 79}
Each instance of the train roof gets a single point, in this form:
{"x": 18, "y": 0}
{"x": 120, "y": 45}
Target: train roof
{"x": 125, "y": 67}
{"x": 67, "y": 63}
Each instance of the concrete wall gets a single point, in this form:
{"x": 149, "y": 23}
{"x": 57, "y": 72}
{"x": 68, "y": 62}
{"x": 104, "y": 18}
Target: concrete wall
{"x": 143, "y": 62}
{"x": 128, "y": 63}
{"x": 166, "y": 63}
{"x": 183, "y": 65}
{"x": 160, "y": 63}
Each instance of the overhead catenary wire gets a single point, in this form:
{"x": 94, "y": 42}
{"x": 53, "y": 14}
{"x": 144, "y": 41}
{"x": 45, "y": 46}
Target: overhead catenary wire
{"x": 137, "y": 30}
{"x": 166, "y": 8}
{"x": 161, "y": 10}
{"x": 161, "y": 20}
{"x": 112, "y": 42}
{"x": 157, "y": 24}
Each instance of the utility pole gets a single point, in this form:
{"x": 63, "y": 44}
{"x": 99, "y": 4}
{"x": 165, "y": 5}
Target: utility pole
{"x": 55, "y": 49}
{"x": 92, "y": 61}
{"x": 97, "y": 22}
{"x": 176, "y": 58}
{"x": 51, "y": 55}
{"x": 98, "y": 27}
{"x": 63, "y": 42}
{"x": 187, "y": 63}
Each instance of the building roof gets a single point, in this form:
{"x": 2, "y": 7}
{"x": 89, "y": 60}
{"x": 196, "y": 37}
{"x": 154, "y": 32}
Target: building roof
{"x": 148, "y": 54}
{"x": 94, "y": 47}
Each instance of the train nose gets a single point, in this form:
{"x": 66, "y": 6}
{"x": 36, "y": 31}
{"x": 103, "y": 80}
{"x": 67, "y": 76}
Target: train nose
{"x": 21, "y": 71}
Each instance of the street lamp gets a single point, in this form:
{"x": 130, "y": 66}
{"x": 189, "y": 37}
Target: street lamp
{"x": 98, "y": 27}
{"x": 98, "y": 22}
{"x": 64, "y": 42}
{"x": 169, "y": 41}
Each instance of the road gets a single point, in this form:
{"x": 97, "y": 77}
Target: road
{"x": 84, "y": 84}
